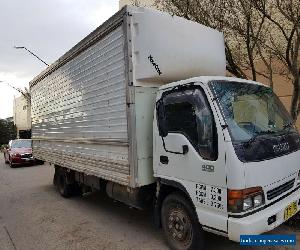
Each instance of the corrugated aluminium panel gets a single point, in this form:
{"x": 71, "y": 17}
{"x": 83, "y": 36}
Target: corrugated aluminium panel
{"x": 79, "y": 112}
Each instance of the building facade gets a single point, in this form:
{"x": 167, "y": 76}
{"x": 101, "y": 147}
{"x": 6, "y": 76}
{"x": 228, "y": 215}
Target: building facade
{"x": 22, "y": 117}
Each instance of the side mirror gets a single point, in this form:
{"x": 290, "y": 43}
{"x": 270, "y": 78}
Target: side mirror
{"x": 161, "y": 119}
{"x": 185, "y": 149}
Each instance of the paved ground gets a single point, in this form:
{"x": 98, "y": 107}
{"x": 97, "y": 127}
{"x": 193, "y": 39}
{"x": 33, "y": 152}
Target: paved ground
{"x": 34, "y": 216}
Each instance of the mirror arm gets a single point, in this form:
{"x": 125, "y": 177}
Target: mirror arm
{"x": 185, "y": 149}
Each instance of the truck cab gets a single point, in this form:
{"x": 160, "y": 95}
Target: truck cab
{"x": 230, "y": 146}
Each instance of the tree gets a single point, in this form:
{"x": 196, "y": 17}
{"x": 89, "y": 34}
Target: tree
{"x": 8, "y": 131}
{"x": 255, "y": 31}
{"x": 283, "y": 16}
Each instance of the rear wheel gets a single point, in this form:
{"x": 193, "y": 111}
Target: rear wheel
{"x": 64, "y": 188}
{"x": 67, "y": 186}
{"x": 180, "y": 224}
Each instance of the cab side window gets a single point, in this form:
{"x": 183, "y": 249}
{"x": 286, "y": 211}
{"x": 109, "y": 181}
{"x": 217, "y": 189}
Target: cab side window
{"x": 181, "y": 118}
{"x": 188, "y": 112}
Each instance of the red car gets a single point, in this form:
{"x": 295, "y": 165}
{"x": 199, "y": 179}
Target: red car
{"x": 19, "y": 152}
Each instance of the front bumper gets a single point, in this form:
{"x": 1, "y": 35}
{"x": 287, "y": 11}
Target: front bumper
{"x": 257, "y": 223}
{"x": 22, "y": 160}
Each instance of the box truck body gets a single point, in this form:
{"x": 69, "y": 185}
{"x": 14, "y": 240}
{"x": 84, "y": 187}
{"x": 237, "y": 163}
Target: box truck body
{"x": 92, "y": 110}
{"x": 141, "y": 109}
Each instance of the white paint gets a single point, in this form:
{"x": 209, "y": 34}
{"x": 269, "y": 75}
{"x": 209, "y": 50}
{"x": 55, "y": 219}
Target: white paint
{"x": 257, "y": 222}
{"x": 179, "y": 48}
{"x": 229, "y": 174}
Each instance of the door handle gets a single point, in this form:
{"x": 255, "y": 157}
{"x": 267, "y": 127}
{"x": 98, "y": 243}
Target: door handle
{"x": 164, "y": 159}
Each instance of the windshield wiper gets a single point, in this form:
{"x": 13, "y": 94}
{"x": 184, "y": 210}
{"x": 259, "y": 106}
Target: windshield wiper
{"x": 257, "y": 133}
{"x": 264, "y": 132}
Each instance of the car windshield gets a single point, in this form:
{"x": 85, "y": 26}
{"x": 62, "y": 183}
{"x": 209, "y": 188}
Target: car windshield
{"x": 251, "y": 110}
{"x": 21, "y": 144}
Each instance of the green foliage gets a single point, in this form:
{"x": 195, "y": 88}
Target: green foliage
{"x": 8, "y": 131}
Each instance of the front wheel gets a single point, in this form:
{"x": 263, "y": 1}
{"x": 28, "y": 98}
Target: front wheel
{"x": 180, "y": 224}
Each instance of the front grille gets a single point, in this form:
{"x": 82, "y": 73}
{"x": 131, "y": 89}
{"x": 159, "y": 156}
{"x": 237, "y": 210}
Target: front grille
{"x": 271, "y": 194}
{"x": 26, "y": 155}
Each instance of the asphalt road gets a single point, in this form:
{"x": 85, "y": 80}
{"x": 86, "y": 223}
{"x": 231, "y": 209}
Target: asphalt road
{"x": 34, "y": 216}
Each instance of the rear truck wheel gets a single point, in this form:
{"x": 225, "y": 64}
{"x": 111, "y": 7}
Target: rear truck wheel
{"x": 64, "y": 188}
{"x": 180, "y": 224}
{"x": 55, "y": 177}
{"x": 66, "y": 185}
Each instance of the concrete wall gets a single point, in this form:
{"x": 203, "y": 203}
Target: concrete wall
{"x": 282, "y": 87}
{"x": 22, "y": 114}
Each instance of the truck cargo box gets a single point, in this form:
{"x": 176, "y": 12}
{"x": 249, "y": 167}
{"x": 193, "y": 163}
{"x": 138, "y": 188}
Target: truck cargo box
{"x": 92, "y": 109}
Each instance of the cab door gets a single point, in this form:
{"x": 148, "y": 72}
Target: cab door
{"x": 188, "y": 151}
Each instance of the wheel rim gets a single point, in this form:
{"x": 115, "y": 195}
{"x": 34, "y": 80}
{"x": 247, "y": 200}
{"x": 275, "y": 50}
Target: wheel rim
{"x": 179, "y": 227}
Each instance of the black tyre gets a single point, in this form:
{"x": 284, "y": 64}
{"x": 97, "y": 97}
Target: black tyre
{"x": 77, "y": 190}
{"x": 180, "y": 224}
{"x": 55, "y": 177}
{"x": 64, "y": 188}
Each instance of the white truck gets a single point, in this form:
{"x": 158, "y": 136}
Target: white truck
{"x": 142, "y": 110}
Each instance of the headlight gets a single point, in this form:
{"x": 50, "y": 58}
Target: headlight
{"x": 258, "y": 200}
{"x": 248, "y": 203}
{"x": 244, "y": 199}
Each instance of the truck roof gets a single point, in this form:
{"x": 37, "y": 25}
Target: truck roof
{"x": 206, "y": 79}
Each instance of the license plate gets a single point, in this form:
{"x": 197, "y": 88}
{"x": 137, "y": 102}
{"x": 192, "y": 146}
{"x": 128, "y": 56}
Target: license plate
{"x": 290, "y": 210}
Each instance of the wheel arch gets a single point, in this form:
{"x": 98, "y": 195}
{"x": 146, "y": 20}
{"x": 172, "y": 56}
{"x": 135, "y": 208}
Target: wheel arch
{"x": 165, "y": 188}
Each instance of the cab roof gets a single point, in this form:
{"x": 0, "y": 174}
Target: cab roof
{"x": 207, "y": 79}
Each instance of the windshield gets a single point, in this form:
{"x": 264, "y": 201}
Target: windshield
{"x": 21, "y": 144}
{"x": 251, "y": 110}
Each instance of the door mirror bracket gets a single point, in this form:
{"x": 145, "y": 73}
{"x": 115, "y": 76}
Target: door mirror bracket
{"x": 185, "y": 149}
